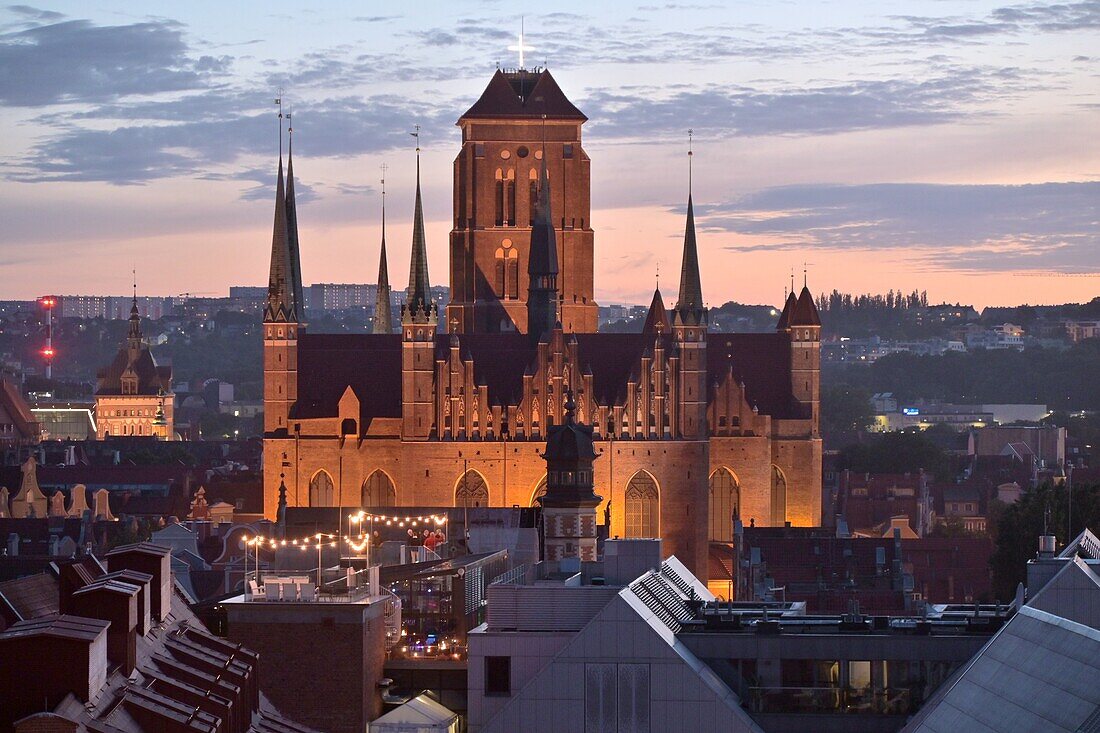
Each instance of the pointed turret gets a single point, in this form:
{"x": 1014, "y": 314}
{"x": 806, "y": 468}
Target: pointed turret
{"x": 689, "y": 307}
{"x": 280, "y": 307}
{"x": 418, "y": 298}
{"x": 133, "y": 335}
{"x": 542, "y": 265}
{"x": 292, "y": 232}
{"x": 804, "y": 310}
{"x": 383, "y": 319}
{"x": 785, "y": 316}
{"x": 657, "y": 320}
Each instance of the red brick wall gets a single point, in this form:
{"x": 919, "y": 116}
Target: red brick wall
{"x": 319, "y": 663}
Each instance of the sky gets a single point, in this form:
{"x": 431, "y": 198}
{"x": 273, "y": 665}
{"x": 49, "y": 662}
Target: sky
{"x": 945, "y": 145}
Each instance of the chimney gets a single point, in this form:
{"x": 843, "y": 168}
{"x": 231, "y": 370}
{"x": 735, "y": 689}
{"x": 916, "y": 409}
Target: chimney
{"x": 43, "y": 660}
{"x": 1047, "y": 544}
{"x": 144, "y": 582}
{"x": 154, "y": 560}
{"x": 114, "y": 601}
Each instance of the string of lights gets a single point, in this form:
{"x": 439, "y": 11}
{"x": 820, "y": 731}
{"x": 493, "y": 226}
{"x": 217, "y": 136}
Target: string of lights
{"x": 358, "y": 544}
{"x": 391, "y": 519}
{"x": 304, "y": 542}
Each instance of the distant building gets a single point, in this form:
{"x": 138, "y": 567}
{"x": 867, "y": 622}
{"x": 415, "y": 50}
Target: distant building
{"x": 18, "y": 424}
{"x": 961, "y": 417}
{"x": 870, "y": 502}
{"x": 134, "y": 393}
{"x": 1047, "y": 443}
{"x": 1081, "y": 330}
{"x": 339, "y": 296}
{"x": 65, "y": 420}
{"x": 829, "y": 572}
{"x": 965, "y": 505}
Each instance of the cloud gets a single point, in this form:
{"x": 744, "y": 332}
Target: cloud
{"x": 75, "y": 60}
{"x": 204, "y": 133}
{"x": 804, "y": 110}
{"x": 35, "y": 14}
{"x": 1047, "y": 226}
{"x": 1052, "y": 16}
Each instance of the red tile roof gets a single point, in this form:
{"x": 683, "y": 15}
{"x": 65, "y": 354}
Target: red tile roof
{"x": 523, "y": 94}
{"x": 152, "y": 378}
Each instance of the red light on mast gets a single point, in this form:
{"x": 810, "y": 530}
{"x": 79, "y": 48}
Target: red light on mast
{"x": 48, "y": 352}
{"x": 48, "y": 302}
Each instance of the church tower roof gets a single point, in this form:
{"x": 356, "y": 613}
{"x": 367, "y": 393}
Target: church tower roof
{"x": 292, "y": 228}
{"x": 523, "y": 93}
{"x": 419, "y": 297}
{"x": 689, "y": 306}
{"x": 657, "y": 319}
{"x": 383, "y": 319}
{"x": 785, "y": 316}
{"x": 281, "y": 306}
{"x": 804, "y": 312}
{"x": 133, "y": 335}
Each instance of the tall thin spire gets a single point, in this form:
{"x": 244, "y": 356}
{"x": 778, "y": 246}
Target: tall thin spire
{"x": 280, "y": 287}
{"x": 383, "y": 319}
{"x": 133, "y": 336}
{"x": 292, "y": 227}
{"x": 419, "y": 298}
{"x": 690, "y": 310}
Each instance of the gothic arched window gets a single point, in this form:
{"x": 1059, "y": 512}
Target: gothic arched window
{"x": 642, "y": 506}
{"x": 725, "y": 500}
{"x": 779, "y": 496}
{"x": 471, "y": 490}
{"x": 378, "y": 490}
{"x": 321, "y": 490}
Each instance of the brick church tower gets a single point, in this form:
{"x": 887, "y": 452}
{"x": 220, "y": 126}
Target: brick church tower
{"x": 419, "y": 320}
{"x": 521, "y": 114}
{"x": 284, "y": 311}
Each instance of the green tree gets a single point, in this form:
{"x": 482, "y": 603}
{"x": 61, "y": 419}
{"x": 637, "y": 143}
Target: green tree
{"x": 899, "y": 452}
{"x": 844, "y": 408}
{"x": 1019, "y": 525}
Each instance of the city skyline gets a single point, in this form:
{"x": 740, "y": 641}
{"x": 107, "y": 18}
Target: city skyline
{"x": 946, "y": 150}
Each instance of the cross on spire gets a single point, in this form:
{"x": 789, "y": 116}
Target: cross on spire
{"x": 279, "y": 104}
{"x": 521, "y": 47}
{"x": 691, "y": 134}
{"x": 383, "y": 168}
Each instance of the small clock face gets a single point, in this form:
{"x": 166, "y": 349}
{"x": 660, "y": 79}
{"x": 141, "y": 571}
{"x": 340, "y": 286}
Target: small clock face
{"x": 523, "y": 152}
{"x": 505, "y": 154}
